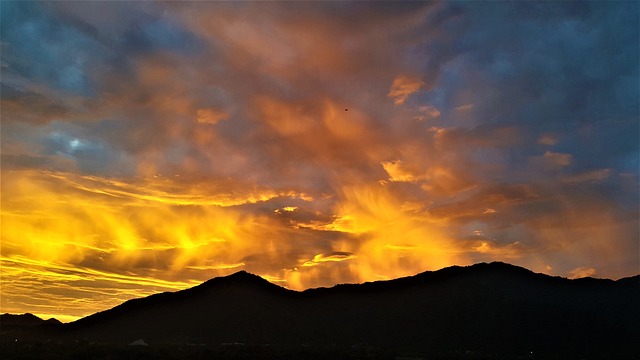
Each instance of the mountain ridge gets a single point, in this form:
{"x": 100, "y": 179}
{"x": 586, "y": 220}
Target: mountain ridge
{"x": 246, "y": 278}
{"x": 25, "y": 320}
{"x": 494, "y": 307}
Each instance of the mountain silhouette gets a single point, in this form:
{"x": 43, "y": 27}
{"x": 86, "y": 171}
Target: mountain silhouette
{"x": 24, "y": 321}
{"x": 493, "y": 308}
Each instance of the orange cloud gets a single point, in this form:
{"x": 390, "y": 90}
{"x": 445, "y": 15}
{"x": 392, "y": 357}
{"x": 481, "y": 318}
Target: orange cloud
{"x": 582, "y": 272}
{"x": 510, "y": 251}
{"x": 403, "y": 86}
{"x": 428, "y": 112}
{"x": 399, "y": 172}
{"x": 210, "y": 116}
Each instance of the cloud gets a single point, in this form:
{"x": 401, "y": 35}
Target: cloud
{"x": 551, "y": 161}
{"x": 548, "y": 139}
{"x": 210, "y": 116}
{"x": 398, "y": 172}
{"x": 582, "y": 272}
{"x": 335, "y": 256}
{"x": 402, "y": 87}
{"x": 557, "y": 159}
{"x": 510, "y": 251}
{"x": 588, "y": 176}
{"x": 481, "y": 136}
{"x": 173, "y": 142}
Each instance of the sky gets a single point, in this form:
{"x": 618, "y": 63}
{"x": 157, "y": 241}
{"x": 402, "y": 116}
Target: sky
{"x": 150, "y": 146}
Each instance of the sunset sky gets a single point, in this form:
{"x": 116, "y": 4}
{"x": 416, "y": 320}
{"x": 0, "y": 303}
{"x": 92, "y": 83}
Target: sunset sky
{"x": 150, "y": 146}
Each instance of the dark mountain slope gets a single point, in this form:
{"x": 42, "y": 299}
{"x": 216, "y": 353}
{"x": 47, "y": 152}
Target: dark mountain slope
{"x": 493, "y": 308}
{"x": 227, "y": 309}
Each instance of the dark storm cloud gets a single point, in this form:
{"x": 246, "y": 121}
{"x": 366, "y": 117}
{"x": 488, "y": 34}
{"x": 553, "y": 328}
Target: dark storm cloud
{"x": 570, "y": 70}
{"x": 39, "y": 49}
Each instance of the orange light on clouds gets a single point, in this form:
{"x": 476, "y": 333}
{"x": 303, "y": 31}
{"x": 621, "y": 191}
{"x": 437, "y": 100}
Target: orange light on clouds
{"x": 402, "y": 87}
{"x": 142, "y": 235}
{"x": 381, "y": 239}
{"x": 61, "y": 227}
{"x": 311, "y": 144}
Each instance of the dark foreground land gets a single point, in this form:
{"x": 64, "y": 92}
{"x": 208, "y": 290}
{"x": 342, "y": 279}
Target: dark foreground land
{"x": 51, "y": 351}
{"x": 484, "y": 311}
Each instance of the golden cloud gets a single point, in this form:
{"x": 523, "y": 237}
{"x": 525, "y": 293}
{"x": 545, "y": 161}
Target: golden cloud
{"x": 404, "y": 86}
{"x": 399, "y": 172}
{"x": 382, "y": 238}
{"x": 335, "y": 256}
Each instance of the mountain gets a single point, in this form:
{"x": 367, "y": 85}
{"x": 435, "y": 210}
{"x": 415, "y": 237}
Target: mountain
{"x": 26, "y": 326}
{"x": 24, "y": 321}
{"x": 491, "y": 308}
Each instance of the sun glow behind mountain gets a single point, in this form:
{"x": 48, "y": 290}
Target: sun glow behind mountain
{"x": 151, "y": 146}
